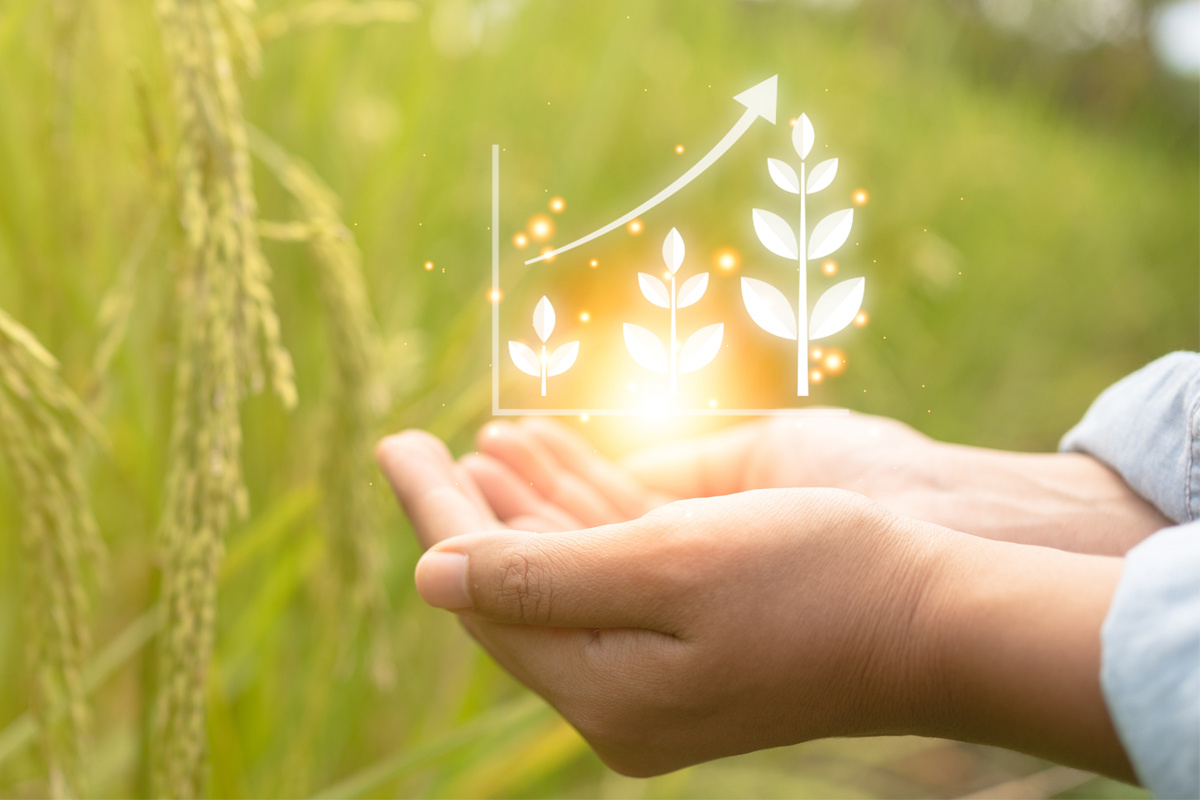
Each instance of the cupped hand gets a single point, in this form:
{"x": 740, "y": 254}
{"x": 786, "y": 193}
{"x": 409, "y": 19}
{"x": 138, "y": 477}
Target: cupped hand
{"x": 1069, "y": 501}
{"x": 700, "y": 629}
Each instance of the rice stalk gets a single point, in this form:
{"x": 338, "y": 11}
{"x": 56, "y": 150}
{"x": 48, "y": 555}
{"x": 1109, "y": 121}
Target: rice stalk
{"x": 358, "y": 401}
{"x": 59, "y": 538}
{"x": 228, "y": 346}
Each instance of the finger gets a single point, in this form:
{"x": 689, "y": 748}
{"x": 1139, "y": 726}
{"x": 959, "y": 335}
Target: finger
{"x": 705, "y": 466}
{"x": 610, "y": 577}
{"x": 512, "y": 498}
{"x": 533, "y": 462}
{"x": 435, "y": 495}
{"x": 575, "y": 453}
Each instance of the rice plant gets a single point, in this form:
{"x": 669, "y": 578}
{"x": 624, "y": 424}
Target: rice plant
{"x": 61, "y": 544}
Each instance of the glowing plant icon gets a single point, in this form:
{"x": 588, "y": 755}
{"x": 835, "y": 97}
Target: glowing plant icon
{"x": 700, "y": 348}
{"x": 528, "y": 361}
{"x": 767, "y": 305}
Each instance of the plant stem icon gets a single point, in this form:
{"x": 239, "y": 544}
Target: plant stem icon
{"x": 700, "y": 348}
{"x": 542, "y": 367}
{"x": 767, "y": 305}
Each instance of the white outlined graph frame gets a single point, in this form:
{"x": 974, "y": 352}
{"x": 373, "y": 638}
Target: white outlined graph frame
{"x": 498, "y": 411}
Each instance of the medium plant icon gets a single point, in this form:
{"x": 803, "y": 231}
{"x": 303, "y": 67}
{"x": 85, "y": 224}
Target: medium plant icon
{"x": 700, "y": 348}
{"x": 528, "y": 361}
{"x": 767, "y": 305}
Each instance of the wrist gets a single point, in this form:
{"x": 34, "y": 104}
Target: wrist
{"x": 1009, "y": 651}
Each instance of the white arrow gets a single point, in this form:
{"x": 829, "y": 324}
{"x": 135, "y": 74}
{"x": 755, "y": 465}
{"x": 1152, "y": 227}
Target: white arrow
{"x": 759, "y": 102}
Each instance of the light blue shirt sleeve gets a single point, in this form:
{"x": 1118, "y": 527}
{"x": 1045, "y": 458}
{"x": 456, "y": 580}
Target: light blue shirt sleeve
{"x": 1147, "y": 428}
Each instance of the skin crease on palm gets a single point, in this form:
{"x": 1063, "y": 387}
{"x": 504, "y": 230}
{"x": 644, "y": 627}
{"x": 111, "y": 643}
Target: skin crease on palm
{"x": 781, "y": 582}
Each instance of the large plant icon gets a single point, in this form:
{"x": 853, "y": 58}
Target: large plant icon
{"x": 543, "y": 367}
{"x": 768, "y": 306}
{"x": 700, "y": 348}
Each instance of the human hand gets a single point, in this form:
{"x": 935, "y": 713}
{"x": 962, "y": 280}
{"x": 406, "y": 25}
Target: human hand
{"x": 1068, "y": 501}
{"x": 715, "y": 626}
{"x": 704, "y": 628}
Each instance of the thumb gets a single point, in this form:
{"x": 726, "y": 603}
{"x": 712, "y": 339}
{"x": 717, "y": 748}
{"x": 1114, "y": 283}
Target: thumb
{"x": 615, "y": 576}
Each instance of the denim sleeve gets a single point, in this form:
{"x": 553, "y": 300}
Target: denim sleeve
{"x": 1147, "y": 428}
{"x": 1144, "y": 427}
{"x": 1150, "y": 661}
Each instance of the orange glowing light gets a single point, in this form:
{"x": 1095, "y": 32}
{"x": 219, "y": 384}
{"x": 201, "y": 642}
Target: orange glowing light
{"x": 635, "y": 227}
{"x": 727, "y": 259}
{"x": 557, "y": 205}
{"x": 520, "y": 241}
{"x": 494, "y": 295}
{"x": 429, "y": 266}
{"x": 545, "y": 254}
{"x": 712, "y": 402}
{"x": 792, "y": 122}
{"x": 829, "y": 268}
{"x": 584, "y": 316}
{"x": 595, "y": 262}
{"x": 862, "y": 318}
{"x": 834, "y": 361}
{"x": 816, "y": 353}
{"x": 860, "y": 197}
{"x": 540, "y": 228}
{"x": 815, "y": 376}
{"x": 679, "y": 149}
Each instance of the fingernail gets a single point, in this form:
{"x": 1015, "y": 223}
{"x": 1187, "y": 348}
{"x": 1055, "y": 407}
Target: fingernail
{"x": 442, "y": 580}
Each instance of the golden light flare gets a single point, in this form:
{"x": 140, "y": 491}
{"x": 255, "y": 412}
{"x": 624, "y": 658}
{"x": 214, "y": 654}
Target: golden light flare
{"x": 595, "y": 262}
{"x": 816, "y": 353}
{"x": 792, "y": 122}
{"x": 429, "y": 266}
{"x": 816, "y": 376}
{"x": 727, "y": 259}
{"x": 494, "y": 295}
{"x": 860, "y": 197}
{"x": 520, "y": 241}
{"x": 829, "y": 268}
{"x": 584, "y": 316}
{"x": 540, "y": 228}
{"x": 635, "y": 227}
{"x": 545, "y": 254}
{"x": 712, "y": 402}
{"x": 558, "y": 205}
{"x": 834, "y": 361}
{"x": 679, "y": 149}
{"x": 862, "y": 318}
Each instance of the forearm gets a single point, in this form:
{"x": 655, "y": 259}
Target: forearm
{"x": 1011, "y": 639}
{"x": 1067, "y": 501}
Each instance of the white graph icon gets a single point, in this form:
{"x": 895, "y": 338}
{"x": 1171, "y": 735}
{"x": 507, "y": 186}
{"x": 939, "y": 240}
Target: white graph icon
{"x": 671, "y": 355}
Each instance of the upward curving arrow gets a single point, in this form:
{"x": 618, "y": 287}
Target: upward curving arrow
{"x": 759, "y": 102}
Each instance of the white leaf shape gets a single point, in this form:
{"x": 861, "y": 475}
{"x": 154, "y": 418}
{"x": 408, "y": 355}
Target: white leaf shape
{"x": 701, "y": 348}
{"x": 830, "y": 233}
{"x": 803, "y": 136}
{"x": 654, "y": 290}
{"x": 543, "y": 319}
{"x": 769, "y": 308}
{"x": 673, "y": 250}
{"x": 563, "y": 358}
{"x": 692, "y": 290}
{"x": 821, "y": 176}
{"x": 836, "y": 308}
{"x": 525, "y": 359}
{"x": 775, "y": 234}
{"x": 783, "y": 175}
{"x": 645, "y": 348}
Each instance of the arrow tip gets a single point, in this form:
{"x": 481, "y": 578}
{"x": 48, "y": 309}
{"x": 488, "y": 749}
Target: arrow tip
{"x": 761, "y": 98}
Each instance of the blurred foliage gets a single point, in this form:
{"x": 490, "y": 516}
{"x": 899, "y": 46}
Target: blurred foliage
{"x": 1031, "y": 236}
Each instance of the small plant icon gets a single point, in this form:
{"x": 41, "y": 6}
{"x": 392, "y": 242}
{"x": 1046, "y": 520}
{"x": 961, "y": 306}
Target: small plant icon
{"x": 700, "y": 348}
{"x": 528, "y": 361}
{"x": 767, "y": 305}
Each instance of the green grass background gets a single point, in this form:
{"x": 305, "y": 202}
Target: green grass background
{"x": 1032, "y": 230}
